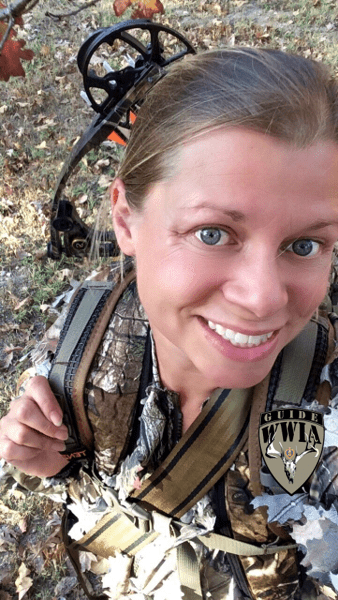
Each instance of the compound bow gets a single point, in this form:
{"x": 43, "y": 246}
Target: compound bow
{"x": 116, "y": 96}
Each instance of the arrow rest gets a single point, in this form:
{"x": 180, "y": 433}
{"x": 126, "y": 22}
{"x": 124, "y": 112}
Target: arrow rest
{"x": 116, "y": 94}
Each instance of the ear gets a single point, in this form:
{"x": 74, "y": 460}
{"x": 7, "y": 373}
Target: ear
{"x": 124, "y": 218}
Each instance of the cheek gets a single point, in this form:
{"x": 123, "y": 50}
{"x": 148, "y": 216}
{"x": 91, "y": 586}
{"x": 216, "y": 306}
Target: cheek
{"x": 175, "y": 278}
{"x": 309, "y": 292}
{"x": 181, "y": 276}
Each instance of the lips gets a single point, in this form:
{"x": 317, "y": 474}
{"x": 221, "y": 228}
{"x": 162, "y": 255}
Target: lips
{"x": 239, "y": 339}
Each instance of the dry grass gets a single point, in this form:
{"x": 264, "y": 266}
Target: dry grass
{"x": 41, "y": 117}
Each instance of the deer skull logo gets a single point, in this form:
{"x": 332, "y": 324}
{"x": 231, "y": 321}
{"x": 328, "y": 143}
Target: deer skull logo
{"x": 291, "y": 442}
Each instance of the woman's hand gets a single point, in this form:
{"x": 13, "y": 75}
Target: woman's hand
{"x": 32, "y": 434}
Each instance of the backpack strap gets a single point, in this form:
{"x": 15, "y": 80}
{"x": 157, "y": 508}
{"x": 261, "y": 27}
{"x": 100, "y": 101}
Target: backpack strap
{"x": 217, "y": 435}
{"x": 296, "y": 365}
{"x": 295, "y": 375}
{"x": 81, "y": 335}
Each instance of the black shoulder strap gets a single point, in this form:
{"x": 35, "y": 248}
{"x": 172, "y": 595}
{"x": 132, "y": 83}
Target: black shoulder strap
{"x": 81, "y": 335}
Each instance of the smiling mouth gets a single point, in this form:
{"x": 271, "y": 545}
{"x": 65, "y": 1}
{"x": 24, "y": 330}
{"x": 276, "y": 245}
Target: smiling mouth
{"x": 239, "y": 339}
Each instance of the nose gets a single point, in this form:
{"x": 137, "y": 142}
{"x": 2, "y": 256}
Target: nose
{"x": 257, "y": 284}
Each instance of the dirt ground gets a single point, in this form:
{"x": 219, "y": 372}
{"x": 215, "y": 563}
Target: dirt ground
{"x": 41, "y": 117}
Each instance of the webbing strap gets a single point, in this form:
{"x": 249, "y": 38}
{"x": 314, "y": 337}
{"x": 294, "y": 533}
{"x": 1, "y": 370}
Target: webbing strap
{"x": 214, "y": 541}
{"x": 189, "y": 572}
{"x": 298, "y": 354}
{"x": 204, "y": 453}
{"x": 116, "y": 531}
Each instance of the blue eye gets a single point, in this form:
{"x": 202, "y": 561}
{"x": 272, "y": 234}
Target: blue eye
{"x": 212, "y": 236}
{"x": 304, "y": 247}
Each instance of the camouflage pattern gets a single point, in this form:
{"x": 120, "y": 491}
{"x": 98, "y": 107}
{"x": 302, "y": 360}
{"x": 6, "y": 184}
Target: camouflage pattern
{"x": 111, "y": 391}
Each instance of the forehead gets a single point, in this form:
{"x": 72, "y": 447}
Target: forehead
{"x": 242, "y": 167}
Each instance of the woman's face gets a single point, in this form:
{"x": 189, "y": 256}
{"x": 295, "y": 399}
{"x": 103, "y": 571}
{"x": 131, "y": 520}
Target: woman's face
{"x": 233, "y": 253}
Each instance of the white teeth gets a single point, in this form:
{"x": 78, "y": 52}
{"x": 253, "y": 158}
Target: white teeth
{"x": 239, "y": 339}
{"x": 230, "y": 334}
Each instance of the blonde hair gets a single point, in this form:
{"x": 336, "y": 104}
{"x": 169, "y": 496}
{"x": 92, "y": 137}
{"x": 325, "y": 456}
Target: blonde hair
{"x": 269, "y": 91}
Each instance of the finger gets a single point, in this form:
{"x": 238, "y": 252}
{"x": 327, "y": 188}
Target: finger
{"x": 41, "y": 466}
{"x": 26, "y": 412}
{"x": 26, "y": 436}
{"x": 11, "y": 451}
{"x": 39, "y": 390}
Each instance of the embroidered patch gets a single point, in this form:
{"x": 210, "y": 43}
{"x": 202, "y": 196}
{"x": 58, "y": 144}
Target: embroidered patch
{"x": 291, "y": 442}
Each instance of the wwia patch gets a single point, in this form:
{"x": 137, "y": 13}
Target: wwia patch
{"x": 291, "y": 442}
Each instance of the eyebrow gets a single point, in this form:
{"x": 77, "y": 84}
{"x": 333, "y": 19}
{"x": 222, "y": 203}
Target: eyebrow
{"x": 238, "y": 216}
{"x": 235, "y": 215}
{"x": 321, "y": 225}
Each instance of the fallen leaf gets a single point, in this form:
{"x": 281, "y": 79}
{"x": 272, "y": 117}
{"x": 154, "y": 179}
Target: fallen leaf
{"x": 4, "y": 364}
{"x": 42, "y": 146}
{"x": 23, "y": 582}
{"x": 23, "y": 379}
{"x": 23, "y": 525}
{"x": 26, "y": 302}
{"x": 9, "y": 349}
{"x": 103, "y": 162}
{"x": 3, "y": 109}
{"x": 105, "y": 181}
{"x": 67, "y": 273}
{"x": 44, "y": 307}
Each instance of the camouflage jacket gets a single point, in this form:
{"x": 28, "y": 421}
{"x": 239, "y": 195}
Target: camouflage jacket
{"x": 309, "y": 518}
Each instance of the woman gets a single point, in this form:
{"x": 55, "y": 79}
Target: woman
{"x": 227, "y": 199}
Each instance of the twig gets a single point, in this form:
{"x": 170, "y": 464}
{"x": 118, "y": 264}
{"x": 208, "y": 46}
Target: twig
{"x": 74, "y": 12}
{"x": 7, "y": 32}
{"x": 16, "y": 9}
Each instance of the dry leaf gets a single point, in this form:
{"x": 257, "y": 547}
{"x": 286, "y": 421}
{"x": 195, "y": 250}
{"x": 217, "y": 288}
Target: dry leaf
{"x": 42, "y": 146}
{"x": 3, "y": 109}
{"x": 103, "y": 162}
{"x": 10, "y": 349}
{"x": 23, "y": 380}
{"x": 12, "y": 53}
{"x": 67, "y": 273}
{"x": 4, "y": 364}
{"x": 23, "y": 582}
{"x": 26, "y": 302}
{"x": 23, "y": 525}
{"x": 105, "y": 181}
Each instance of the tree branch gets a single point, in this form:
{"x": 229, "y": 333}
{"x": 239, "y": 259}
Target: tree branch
{"x": 16, "y": 9}
{"x": 7, "y": 32}
{"x": 74, "y": 12}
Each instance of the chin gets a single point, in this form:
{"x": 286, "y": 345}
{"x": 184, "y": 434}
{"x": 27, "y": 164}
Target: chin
{"x": 240, "y": 376}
